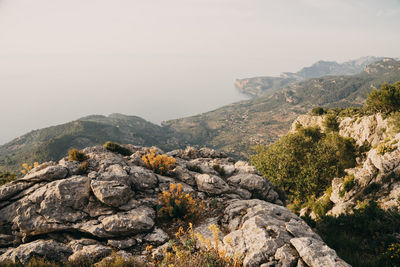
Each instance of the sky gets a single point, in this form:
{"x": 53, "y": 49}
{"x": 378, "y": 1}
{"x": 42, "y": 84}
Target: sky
{"x": 64, "y": 59}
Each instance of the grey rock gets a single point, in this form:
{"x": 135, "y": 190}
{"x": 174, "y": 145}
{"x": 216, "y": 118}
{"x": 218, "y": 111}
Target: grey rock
{"x": 122, "y": 243}
{"x": 316, "y": 253}
{"x": 211, "y": 184}
{"x": 50, "y": 173}
{"x": 114, "y": 193}
{"x": 257, "y": 185}
{"x": 287, "y": 255}
{"x": 90, "y": 252}
{"x": 137, "y": 220}
{"x": 142, "y": 179}
{"x": 50, "y": 249}
{"x": 157, "y": 237}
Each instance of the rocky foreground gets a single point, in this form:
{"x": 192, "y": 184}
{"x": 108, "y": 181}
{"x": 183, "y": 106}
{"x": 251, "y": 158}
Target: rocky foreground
{"x": 57, "y": 212}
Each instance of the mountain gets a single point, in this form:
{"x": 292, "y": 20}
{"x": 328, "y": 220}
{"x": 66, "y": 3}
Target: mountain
{"x": 234, "y": 128}
{"x": 237, "y": 127}
{"x": 121, "y": 208}
{"x": 52, "y": 143}
{"x": 259, "y": 86}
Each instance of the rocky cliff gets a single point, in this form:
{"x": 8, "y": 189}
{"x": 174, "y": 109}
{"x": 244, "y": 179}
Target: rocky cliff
{"x": 62, "y": 213}
{"x": 377, "y": 174}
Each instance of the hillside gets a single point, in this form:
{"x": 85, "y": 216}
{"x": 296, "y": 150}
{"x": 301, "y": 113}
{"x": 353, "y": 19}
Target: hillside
{"x": 237, "y": 127}
{"x": 233, "y": 129}
{"x": 259, "y": 86}
{"x": 53, "y": 142}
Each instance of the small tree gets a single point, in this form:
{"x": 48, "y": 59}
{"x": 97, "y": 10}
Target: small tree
{"x": 330, "y": 123}
{"x": 385, "y": 100}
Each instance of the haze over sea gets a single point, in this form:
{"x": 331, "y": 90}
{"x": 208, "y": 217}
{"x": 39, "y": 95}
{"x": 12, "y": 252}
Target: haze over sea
{"x": 61, "y": 60}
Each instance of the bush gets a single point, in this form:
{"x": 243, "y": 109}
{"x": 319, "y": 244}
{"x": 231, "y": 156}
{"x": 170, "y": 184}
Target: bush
{"x": 117, "y": 148}
{"x": 76, "y": 155}
{"x": 330, "y": 123}
{"x": 192, "y": 249}
{"x": 317, "y": 111}
{"x": 175, "y": 204}
{"x": 322, "y": 206}
{"x": 303, "y": 164}
{"x": 361, "y": 238}
{"x": 348, "y": 183}
{"x": 394, "y": 121}
{"x": 6, "y": 177}
{"x": 384, "y": 148}
{"x": 372, "y": 188}
{"x": 392, "y": 254}
{"x": 160, "y": 164}
{"x": 220, "y": 170}
{"x": 384, "y": 100}
{"x": 83, "y": 168}
{"x": 194, "y": 168}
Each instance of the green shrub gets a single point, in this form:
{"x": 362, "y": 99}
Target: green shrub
{"x": 303, "y": 164}
{"x": 322, "y": 206}
{"x": 220, "y": 170}
{"x": 348, "y": 183}
{"x": 76, "y": 155}
{"x": 317, "y": 111}
{"x": 83, "y": 168}
{"x": 384, "y": 100}
{"x": 330, "y": 123}
{"x": 194, "y": 168}
{"x": 361, "y": 238}
{"x": 117, "y": 148}
{"x": 372, "y": 188}
{"x": 384, "y": 148}
{"x": 394, "y": 121}
{"x": 6, "y": 177}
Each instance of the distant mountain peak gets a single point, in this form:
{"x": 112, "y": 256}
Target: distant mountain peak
{"x": 259, "y": 86}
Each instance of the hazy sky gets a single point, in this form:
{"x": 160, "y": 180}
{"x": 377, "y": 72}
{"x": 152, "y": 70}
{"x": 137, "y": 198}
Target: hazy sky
{"x": 64, "y": 59}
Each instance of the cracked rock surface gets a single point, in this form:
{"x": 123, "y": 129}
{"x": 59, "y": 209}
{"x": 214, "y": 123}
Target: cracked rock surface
{"x": 58, "y": 212}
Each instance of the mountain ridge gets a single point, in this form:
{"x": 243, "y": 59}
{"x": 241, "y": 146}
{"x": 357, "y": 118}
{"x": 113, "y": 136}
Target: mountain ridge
{"x": 261, "y": 85}
{"x": 234, "y": 128}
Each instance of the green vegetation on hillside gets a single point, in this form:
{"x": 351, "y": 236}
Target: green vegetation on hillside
{"x": 54, "y": 142}
{"x": 303, "y": 164}
{"x": 234, "y": 129}
{"x": 384, "y": 100}
{"x": 6, "y": 177}
{"x": 238, "y": 127}
{"x": 363, "y": 238}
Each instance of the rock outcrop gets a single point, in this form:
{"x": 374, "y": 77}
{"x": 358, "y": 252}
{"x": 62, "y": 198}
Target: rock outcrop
{"x": 60, "y": 212}
{"x": 377, "y": 174}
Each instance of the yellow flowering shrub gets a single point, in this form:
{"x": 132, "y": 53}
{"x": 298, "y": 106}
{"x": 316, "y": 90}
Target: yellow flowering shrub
{"x": 392, "y": 255}
{"x": 27, "y": 168}
{"x": 160, "y": 164}
{"x": 385, "y": 147}
{"x": 175, "y": 204}
{"x": 192, "y": 249}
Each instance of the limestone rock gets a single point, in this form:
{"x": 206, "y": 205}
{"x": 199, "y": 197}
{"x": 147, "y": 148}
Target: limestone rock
{"x": 316, "y": 253}
{"x": 50, "y": 249}
{"x": 137, "y": 220}
{"x": 257, "y": 185}
{"x": 90, "y": 252}
{"x": 113, "y": 193}
{"x": 211, "y": 184}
